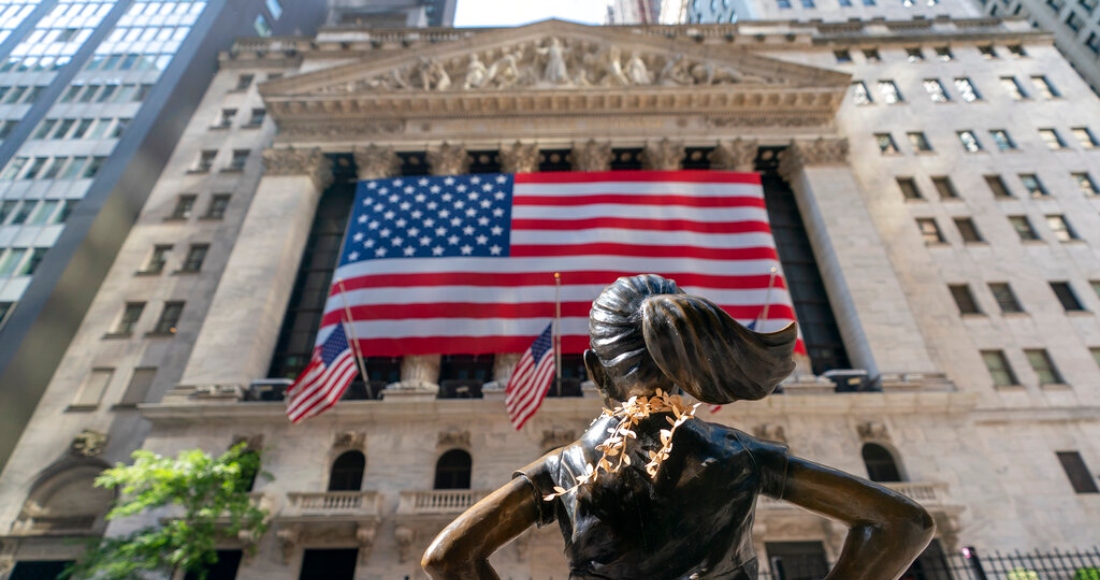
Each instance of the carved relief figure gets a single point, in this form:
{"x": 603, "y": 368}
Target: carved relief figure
{"x": 615, "y": 76}
{"x": 505, "y": 70}
{"x": 636, "y": 70}
{"x": 476, "y": 74}
{"x": 675, "y": 72}
{"x": 667, "y": 495}
{"x": 555, "y": 72}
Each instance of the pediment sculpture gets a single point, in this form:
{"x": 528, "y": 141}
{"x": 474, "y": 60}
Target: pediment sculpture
{"x": 550, "y": 63}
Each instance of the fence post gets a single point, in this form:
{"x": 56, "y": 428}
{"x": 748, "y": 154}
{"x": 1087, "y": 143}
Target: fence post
{"x": 971, "y": 556}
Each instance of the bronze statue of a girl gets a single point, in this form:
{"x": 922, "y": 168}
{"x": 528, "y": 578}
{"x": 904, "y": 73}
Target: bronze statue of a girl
{"x": 649, "y": 491}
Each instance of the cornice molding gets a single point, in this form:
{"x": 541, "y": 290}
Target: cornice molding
{"x": 801, "y": 154}
{"x": 311, "y": 163}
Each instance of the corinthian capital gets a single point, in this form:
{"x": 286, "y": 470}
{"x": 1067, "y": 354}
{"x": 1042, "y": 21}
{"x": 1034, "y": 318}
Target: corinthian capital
{"x": 308, "y": 162}
{"x": 736, "y": 155}
{"x": 448, "y": 159}
{"x": 374, "y": 162}
{"x": 592, "y": 156}
{"x": 664, "y": 154}
{"x": 802, "y": 154}
{"x": 519, "y": 158}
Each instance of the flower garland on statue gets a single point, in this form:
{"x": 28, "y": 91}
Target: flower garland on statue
{"x": 630, "y": 413}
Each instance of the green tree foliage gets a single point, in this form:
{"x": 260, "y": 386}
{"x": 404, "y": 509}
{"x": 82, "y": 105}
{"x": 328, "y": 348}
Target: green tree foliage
{"x": 206, "y": 498}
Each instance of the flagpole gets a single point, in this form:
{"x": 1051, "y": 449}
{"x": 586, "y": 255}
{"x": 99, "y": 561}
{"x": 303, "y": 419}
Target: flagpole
{"x": 768, "y": 298}
{"x": 557, "y": 329}
{"x": 354, "y": 339}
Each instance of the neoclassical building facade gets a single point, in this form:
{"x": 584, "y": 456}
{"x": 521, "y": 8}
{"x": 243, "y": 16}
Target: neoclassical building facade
{"x": 931, "y": 184}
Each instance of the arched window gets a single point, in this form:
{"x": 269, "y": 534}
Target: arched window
{"x": 67, "y": 502}
{"x": 452, "y": 471}
{"x": 880, "y": 463}
{"x": 347, "y": 472}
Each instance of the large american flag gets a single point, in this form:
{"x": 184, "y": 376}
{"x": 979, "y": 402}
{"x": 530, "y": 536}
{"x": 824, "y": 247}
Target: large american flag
{"x": 466, "y": 263}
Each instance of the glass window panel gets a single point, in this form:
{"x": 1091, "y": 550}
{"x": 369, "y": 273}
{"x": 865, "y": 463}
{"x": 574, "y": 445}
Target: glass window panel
{"x": 1085, "y": 137}
{"x": 1032, "y": 184}
{"x": 929, "y": 231}
{"x": 1086, "y": 184}
{"x": 1066, "y": 296}
{"x": 63, "y": 128}
{"x": 1043, "y": 366}
{"x": 11, "y": 260}
{"x": 1006, "y": 299}
{"x": 1013, "y": 88}
{"x": 999, "y": 368}
{"x": 1002, "y": 139}
{"x": 970, "y": 141}
{"x": 886, "y": 143}
{"x": 75, "y": 168}
{"x": 1052, "y": 139}
{"x": 964, "y": 299}
{"x": 1060, "y": 227}
{"x": 944, "y": 187}
{"x": 860, "y": 94}
{"x": 129, "y": 318}
{"x": 93, "y": 388}
{"x": 41, "y": 215}
{"x": 1023, "y": 227}
{"x": 44, "y": 129}
{"x": 82, "y": 128}
{"x": 935, "y": 91}
{"x": 890, "y": 92}
{"x": 54, "y": 168}
{"x": 908, "y": 187}
{"x": 1044, "y": 87}
{"x": 31, "y": 265}
{"x": 967, "y": 230}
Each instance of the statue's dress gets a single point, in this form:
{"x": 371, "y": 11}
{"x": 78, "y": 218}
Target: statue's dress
{"x": 694, "y": 521}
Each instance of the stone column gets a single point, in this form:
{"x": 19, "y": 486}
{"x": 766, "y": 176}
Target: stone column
{"x": 519, "y": 158}
{"x": 736, "y": 155}
{"x": 242, "y": 324}
{"x": 829, "y": 199}
{"x": 592, "y": 156}
{"x": 663, "y": 155}
{"x": 374, "y": 162}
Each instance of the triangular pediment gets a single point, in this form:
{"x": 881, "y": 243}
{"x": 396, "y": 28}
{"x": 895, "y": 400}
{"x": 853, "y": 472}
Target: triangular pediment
{"x": 555, "y": 55}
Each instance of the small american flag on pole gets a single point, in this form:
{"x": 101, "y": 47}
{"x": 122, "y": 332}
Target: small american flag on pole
{"x": 324, "y": 381}
{"x": 531, "y": 380}
{"x": 464, "y": 264}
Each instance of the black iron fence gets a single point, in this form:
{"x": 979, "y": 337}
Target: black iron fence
{"x": 968, "y": 564}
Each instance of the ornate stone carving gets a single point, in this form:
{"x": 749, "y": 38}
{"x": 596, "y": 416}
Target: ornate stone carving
{"x": 350, "y": 440}
{"x": 872, "y": 431}
{"x": 448, "y": 159}
{"x": 364, "y": 536}
{"x": 771, "y": 432}
{"x": 519, "y": 158}
{"x": 89, "y": 443}
{"x": 802, "y": 154}
{"x": 454, "y": 438}
{"x": 664, "y": 154}
{"x": 420, "y": 372}
{"x": 405, "y": 537}
{"x": 592, "y": 156}
{"x": 504, "y": 364}
{"x": 288, "y": 539}
{"x": 758, "y": 119}
{"x": 374, "y": 162}
{"x": 290, "y": 161}
{"x": 736, "y": 155}
{"x": 342, "y": 129}
{"x": 550, "y": 63}
{"x": 557, "y": 437}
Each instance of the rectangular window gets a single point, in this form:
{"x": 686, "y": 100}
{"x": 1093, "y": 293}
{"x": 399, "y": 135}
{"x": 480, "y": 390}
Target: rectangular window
{"x": 31, "y": 265}
{"x": 41, "y": 215}
{"x": 1093, "y": 42}
{"x": 1032, "y": 184}
{"x": 157, "y": 259}
{"x": 998, "y": 367}
{"x": 35, "y": 168}
{"x": 1074, "y": 22}
{"x": 82, "y": 128}
{"x": 1095, "y": 351}
{"x": 119, "y": 128}
{"x": 1044, "y": 87}
{"x": 871, "y": 54}
{"x": 257, "y": 118}
{"x": 101, "y": 128}
{"x": 964, "y": 299}
{"x": 93, "y": 167}
{"x": 1088, "y": 5}
{"x": 1061, "y": 229}
{"x": 944, "y": 187}
{"x": 914, "y": 54}
{"x": 66, "y": 210}
{"x": 240, "y": 158}
{"x": 1006, "y": 299}
{"x": 92, "y": 390}
{"x": 966, "y": 90}
{"x": 169, "y": 318}
{"x": 54, "y": 168}
{"x": 23, "y": 212}
{"x": 1023, "y": 228}
{"x": 1016, "y": 50}
{"x": 71, "y": 93}
{"x": 1013, "y": 88}
{"x": 1002, "y": 139}
{"x": 1086, "y": 183}
{"x": 967, "y": 230}
{"x": 970, "y": 141}
{"x": 184, "y": 206}
{"x": 1066, "y": 296}
{"x": 1085, "y": 137}
{"x": 88, "y": 94}
{"x": 860, "y": 94}
{"x": 195, "y": 256}
{"x": 218, "y": 203}
{"x": 244, "y": 81}
{"x": 14, "y": 95}
{"x": 929, "y": 231}
{"x": 11, "y": 261}
{"x": 107, "y": 92}
{"x": 1043, "y": 366}
{"x": 886, "y": 144}
{"x": 1080, "y": 477}
{"x": 842, "y": 56}
{"x": 44, "y": 129}
{"x": 919, "y": 141}
{"x": 909, "y": 190}
{"x": 140, "y": 383}
{"x": 944, "y": 53}
{"x": 205, "y": 161}
{"x": 225, "y": 119}
{"x": 935, "y": 91}
{"x": 130, "y": 315}
{"x": 890, "y": 92}
{"x": 1052, "y": 139}
{"x": 6, "y": 209}
{"x": 75, "y": 168}
{"x": 13, "y": 168}
{"x": 6, "y": 127}
{"x": 7, "y": 307}
{"x": 987, "y": 51}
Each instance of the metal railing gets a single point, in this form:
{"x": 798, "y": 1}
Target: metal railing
{"x": 968, "y": 564}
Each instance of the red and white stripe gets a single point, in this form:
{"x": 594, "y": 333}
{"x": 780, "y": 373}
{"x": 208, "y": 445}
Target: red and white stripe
{"x": 319, "y": 387}
{"x": 707, "y": 230}
{"x": 528, "y": 386}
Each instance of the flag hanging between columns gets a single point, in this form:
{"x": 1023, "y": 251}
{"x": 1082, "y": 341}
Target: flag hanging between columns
{"x": 530, "y": 381}
{"x": 465, "y": 263}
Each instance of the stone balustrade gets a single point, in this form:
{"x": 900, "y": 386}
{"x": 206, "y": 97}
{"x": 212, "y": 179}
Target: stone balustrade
{"x": 328, "y": 504}
{"x": 928, "y": 494}
{"x": 438, "y": 502}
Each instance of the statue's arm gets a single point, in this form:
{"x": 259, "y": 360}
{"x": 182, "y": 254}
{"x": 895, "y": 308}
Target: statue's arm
{"x": 463, "y": 548}
{"x": 886, "y": 530}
